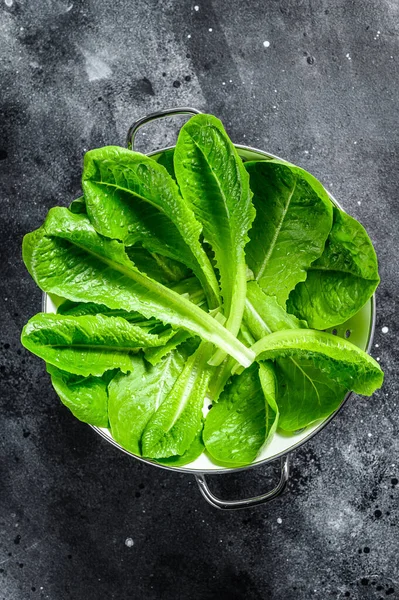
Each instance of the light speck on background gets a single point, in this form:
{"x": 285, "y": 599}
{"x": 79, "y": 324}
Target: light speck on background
{"x": 279, "y": 520}
{"x": 96, "y": 68}
{"x": 348, "y": 56}
{"x": 210, "y": 29}
{"x": 266, "y": 44}
{"x": 189, "y": 36}
{"x": 196, "y": 8}
{"x": 385, "y": 329}
{"x": 129, "y": 542}
{"x": 359, "y": 202}
{"x": 9, "y": 2}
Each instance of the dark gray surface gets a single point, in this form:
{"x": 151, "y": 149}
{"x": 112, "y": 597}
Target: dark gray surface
{"x": 324, "y": 95}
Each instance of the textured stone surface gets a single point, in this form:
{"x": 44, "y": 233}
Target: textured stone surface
{"x": 323, "y": 94}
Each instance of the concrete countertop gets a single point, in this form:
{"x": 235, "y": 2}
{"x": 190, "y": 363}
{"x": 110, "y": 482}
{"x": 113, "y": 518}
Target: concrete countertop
{"x": 314, "y": 82}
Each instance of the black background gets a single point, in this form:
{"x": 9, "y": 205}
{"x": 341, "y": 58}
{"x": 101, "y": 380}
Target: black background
{"x": 323, "y": 94}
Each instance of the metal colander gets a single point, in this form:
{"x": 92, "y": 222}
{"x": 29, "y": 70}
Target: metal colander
{"x": 360, "y": 328}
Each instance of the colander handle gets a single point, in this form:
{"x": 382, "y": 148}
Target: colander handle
{"x": 161, "y": 114}
{"x": 247, "y": 502}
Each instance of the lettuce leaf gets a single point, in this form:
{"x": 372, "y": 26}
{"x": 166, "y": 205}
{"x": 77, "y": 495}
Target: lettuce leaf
{"x": 237, "y": 427}
{"x": 341, "y": 281}
{"x": 173, "y": 427}
{"x": 134, "y": 398}
{"x": 67, "y": 257}
{"x": 132, "y": 198}
{"x": 294, "y": 217}
{"x": 338, "y": 359}
{"x": 158, "y": 267}
{"x": 194, "y": 451}
{"x": 305, "y": 393}
{"x": 86, "y": 345}
{"x": 213, "y": 181}
{"x": 86, "y": 397}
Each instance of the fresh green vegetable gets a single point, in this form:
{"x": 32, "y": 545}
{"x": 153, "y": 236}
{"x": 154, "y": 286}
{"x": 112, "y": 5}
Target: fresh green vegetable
{"x": 78, "y": 206}
{"x": 263, "y": 314}
{"x": 173, "y": 427}
{"x": 194, "y": 451}
{"x": 338, "y": 359}
{"x": 177, "y": 290}
{"x": 132, "y": 198}
{"x": 341, "y": 281}
{"x": 294, "y": 217}
{"x": 305, "y": 394}
{"x": 87, "y": 345}
{"x": 158, "y": 267}
{"x": 86, "y": 397}
{"x": 154, "y": 355}
{"x": 136, "y": 397}
{"x": 166, "y": 160}
{"x": 246, "y": 410}
{"x": 67, "y": 257}
{"x": 213, "y": 181}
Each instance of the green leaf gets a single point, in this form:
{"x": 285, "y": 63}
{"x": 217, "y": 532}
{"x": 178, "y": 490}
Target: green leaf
{"x": 87, "y": 345}
{"x": 224, "y": 371}
{"x": 135, "y": 397}
{"x": 214, "y": 182}
{"x": 154, "y": 355}
{"x": 67, "y": 257}
{"x": 294, "y": 217}
{"x": 336, "y": 358}
{"x": 165, "y": 159}
{"x": 194, "y": 451}
{"x": 166, "y": 335}
{"x": 132, "y": 198}
{"x": 78, "y": 206}
{"x": 305, "y": 393}
{"x": 341, "y": 281}
{"x": 237, "y": 427}
{"x": 173, "y": 427}
{"x": 161, "y": 268}
{"x": 79, "y": 309}
{"x": 190, "y": 288}
{"x": 86, "y": 397}
{"x": 263, "y": 314}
